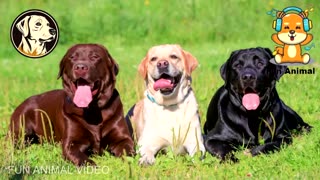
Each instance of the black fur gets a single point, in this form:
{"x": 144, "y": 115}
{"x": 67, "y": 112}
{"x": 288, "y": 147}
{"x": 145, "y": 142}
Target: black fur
{"x": 230, "y": 125}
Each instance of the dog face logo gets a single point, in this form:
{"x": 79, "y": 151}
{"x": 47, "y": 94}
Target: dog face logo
{"x": 291, "y": 34}
{"x": 34, "y": 33}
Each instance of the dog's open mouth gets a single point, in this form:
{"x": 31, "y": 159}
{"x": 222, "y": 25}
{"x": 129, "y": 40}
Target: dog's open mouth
{"x": 84, "y": 91}
{"x": 166, "y": 83}
{"x": 250, "y": 99}
{"x": 47, "y": 40}
{"x": 291, "y": 36}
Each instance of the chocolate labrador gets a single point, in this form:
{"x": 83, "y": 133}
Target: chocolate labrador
{"x": 86, "y": 116}
{"x": 246, "y": 110}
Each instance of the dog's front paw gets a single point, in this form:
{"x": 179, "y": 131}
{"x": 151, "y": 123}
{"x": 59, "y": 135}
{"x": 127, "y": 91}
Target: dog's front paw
{"x": 85, "y": 162}
{"x": 193, "y": 148}
{"x": 125, "y": 149}
{"x": 257, "y": 150}
{"x": 146, "y": 160}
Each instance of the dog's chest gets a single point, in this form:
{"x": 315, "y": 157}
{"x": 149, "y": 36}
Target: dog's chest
{"x": 166, "y": 121}
{"x": 166, "y": 116}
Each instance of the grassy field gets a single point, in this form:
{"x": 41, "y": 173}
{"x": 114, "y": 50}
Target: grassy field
{"x": 210, "y": 30}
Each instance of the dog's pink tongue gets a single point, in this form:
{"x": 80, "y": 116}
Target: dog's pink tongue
{"x": 83, "y": 96}
{"x": 250, "y": 101}
{"x": 162, "y": 84}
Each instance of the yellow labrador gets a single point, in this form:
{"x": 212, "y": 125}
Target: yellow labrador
{"x": 168, "y": 115}
{"x": 36, "y": 31}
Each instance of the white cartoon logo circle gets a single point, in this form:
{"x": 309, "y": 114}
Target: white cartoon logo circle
{"x": 34, "y": 33}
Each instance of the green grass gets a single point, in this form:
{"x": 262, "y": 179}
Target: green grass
{"x": 210, "y": 30}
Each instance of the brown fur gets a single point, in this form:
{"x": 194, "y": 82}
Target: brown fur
{"x": 82, "y": 131}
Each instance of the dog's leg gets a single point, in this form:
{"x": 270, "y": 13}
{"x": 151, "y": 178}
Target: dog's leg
{"x": 194, "y": 147}
{"x": 266, "y": 148}
{"x": 128, "y": 119}
{"x": 124, "y": 144}
{"x": 194, "y": 142}
{"x": 294, "y": 121}
{"x": 148, "y": 149}
{"x": 23, "y": 127}
{"x": 75, "y": 144}
{"x": 220, "y": 149}
{"x": 270, "y": 147}
{"x": 75, "y": 152}
{"x": 125, "y": 147}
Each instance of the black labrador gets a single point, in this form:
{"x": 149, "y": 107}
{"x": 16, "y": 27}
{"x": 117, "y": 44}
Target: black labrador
{"x": 247, "y": 109}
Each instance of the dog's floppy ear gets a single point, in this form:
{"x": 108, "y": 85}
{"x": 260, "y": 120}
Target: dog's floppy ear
{"x": 63, "y": 61}
{"x": 114, "y": 65}
{"x": 190, "y": 62}
{"x": 143, "y": 67}
{"x": 60, "y": 69}
{"x": 268, "y": 51}
{"x": 223, "y": 68}
{"x": 61, "y": 66}
{"x": 114, "y": 68}
{"x": 280, "y": 70}
{"x": 223, "y": 72}
{"x": 23, "y": 26}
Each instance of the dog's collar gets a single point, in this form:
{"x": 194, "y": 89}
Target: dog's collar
{"x": 151, "y": 98}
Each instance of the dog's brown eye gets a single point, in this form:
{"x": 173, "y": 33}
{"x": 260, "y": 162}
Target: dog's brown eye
{"x": 38, "y": 24}
{"x": 237, "y": 66}
{"x": 94, "y": 57}
{"x": 298, "y": 27}
{"x": 73, "y": 56}
{"x": 153, "y": 59}
{"x": 286, "y": 27}
{"x": 172, "y": 56}
{"x": 260, "y": 64}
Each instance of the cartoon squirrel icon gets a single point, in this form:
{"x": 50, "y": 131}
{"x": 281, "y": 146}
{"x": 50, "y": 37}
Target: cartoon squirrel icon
{"x": 291, "y": 34}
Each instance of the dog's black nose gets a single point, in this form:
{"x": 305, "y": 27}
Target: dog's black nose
{"x": 247, "y": 77}
{"x": 80, "y": 69}
{"x": 52, "y": 31}
{"x": 292, "y": 31}
{"x": 163, "y": 64}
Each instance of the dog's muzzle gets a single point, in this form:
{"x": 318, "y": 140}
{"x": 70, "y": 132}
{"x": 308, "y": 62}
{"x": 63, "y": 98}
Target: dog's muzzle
{"x": 250, "y": 99}
{"x": 166, "y": 83}
{"x": 163, "y": 66}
